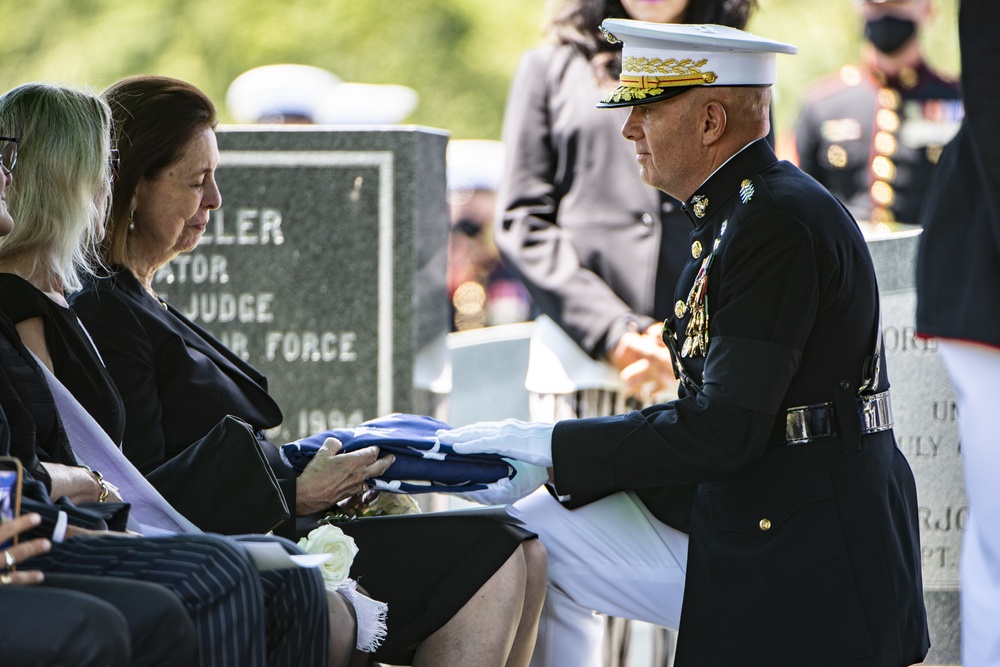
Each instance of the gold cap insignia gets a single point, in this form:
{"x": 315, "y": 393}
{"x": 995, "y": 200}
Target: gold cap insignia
{"x": 661, "y": 60}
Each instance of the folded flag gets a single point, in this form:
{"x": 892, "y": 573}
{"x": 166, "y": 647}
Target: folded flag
{"x": 422, "y": 465}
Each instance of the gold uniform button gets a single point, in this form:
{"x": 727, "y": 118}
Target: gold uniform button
{"x": 696, "y": 249}
{"x": 883, "y": 194}
{"x": 837, "y": 156}
{"x": 886, "y": 144}
{"x": 909, "y": 78}
{"x": 850, "y": 75}
{"x": 765, "y": 524}
{"x": 882, "y": 217}
{"x": 680, "y": 309}
{"x": 888, "y": 98}
{"x": 887, "y": 120}
{"x": 884, "y": 168}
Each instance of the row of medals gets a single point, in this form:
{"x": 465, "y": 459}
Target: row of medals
{"x": 696, "y": 334}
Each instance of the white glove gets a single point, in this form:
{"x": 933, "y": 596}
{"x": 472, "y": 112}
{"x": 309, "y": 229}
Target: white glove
{"x": 530, "y": 442}
{"x": 527, "y": 479}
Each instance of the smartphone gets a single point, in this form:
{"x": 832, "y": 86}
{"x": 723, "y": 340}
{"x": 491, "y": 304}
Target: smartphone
{"x": 10, "y": 492}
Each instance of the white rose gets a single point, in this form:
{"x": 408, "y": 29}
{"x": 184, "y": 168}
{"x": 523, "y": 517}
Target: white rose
{"x": 329, "y": 539}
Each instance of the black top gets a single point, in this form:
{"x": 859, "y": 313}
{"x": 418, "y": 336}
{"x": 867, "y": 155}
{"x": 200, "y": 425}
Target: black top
{"x": 31, "y": 431}
{"x": 958, "y": 263}
{"x": 874, "y": 140}
{"x": 74, "y": 359}
{"x": 177, "y": 381}
{"x": 30, "y": 411}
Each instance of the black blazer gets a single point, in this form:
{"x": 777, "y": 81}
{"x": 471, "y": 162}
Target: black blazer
{"x": 176, "y": 380}
{"x": 958, "y": 263}
{"x": 31, "y": 431}
{"x": 833, "y": 574}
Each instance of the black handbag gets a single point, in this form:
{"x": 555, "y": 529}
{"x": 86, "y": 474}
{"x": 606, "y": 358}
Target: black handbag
{"x": 224, "y": 483}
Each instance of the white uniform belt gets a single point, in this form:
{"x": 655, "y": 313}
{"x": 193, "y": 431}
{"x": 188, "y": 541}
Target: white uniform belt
{"x": 812, "y": 422}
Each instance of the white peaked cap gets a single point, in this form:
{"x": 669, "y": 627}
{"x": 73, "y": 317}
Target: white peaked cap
{"x": 274, "y": 91}
{"x": 365, "y": 103}
{"x": 660, "y": 60}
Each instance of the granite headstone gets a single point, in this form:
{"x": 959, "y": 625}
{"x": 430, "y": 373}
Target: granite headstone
{"x": 488, "y": 366}
{"x": 324, "y": 267}
{"x": 924, "y": 411}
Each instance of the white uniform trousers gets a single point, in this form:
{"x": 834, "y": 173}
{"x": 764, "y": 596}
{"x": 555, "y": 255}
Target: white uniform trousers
{"x": 612, "y": 556}
{"x": 975, "y": 375}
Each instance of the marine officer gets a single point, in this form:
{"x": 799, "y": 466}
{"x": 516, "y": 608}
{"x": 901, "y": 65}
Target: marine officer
{"x": 801, "y": 511}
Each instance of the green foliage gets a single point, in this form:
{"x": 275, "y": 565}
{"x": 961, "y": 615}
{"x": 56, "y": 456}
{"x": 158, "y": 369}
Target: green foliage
{"x": 459, "y": 55}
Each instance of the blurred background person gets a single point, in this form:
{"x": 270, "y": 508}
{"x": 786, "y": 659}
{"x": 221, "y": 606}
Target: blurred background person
{"x": 599, "y": 250}
{"x": 292, "y": 94}
{"x": 873, "y": 132}
{"x": 278, "y": 94}
{"x": 481, "y": 291}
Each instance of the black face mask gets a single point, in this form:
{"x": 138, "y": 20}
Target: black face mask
{"x": 889, "y": 33}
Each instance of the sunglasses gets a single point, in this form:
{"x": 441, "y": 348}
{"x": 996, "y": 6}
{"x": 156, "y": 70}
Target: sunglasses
{"x": 8, "y": 153}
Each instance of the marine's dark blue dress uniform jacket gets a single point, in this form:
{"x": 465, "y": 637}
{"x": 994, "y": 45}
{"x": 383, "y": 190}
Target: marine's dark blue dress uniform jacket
{"x": 799, "y": 555}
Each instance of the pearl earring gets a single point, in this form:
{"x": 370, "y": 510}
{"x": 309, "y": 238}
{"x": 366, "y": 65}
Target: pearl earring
{"x": 131, "y": 221}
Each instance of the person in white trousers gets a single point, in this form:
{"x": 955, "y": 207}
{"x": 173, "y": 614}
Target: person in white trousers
{"x": 958, "y": 289}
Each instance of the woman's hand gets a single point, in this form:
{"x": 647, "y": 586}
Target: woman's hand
{"x": 644, "y": 363}
{"x": 330, "y": 476}
{"x": 22, "y": 552}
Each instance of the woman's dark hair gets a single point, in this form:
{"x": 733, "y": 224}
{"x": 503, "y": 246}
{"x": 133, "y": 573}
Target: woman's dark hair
{"x": 154, "y": 119}
{"x": 577, "y": 22}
